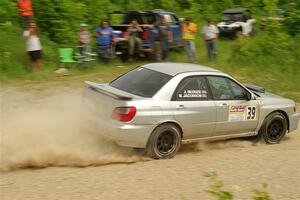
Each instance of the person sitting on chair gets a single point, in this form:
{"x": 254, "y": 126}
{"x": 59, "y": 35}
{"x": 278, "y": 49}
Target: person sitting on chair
{"x": 84, "y": 39}
{"x": 133, "y": 33}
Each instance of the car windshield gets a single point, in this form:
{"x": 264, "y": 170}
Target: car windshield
{"x": 233, "y": 17}
{"x": 141, "y": 81}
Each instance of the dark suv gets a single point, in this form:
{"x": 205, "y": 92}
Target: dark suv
{"x": 121, "y": 19}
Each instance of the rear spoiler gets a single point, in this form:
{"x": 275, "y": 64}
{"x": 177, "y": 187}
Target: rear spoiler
{"x": 102, "y": 88}
{"x": 255, "y": 88}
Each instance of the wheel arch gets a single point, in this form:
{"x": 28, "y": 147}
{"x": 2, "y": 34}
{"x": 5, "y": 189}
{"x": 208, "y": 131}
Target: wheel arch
{"x": 283, "y": 113}
{"x": 174, "y": 123}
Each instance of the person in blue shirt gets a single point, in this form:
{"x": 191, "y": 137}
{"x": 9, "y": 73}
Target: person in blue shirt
{"x": 105, "y": 37}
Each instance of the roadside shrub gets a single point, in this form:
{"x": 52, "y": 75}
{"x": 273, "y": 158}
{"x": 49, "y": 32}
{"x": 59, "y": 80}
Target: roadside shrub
{"x": 271, "y": 47}
{"x": 216, "y": 189}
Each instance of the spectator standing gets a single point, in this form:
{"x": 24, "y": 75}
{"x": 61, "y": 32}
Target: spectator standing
{"x": 210, "y": 34}
{"x": 33, "y": 44}
{"x": 164, "y": 36}
{"x": 189, "y": 31}
{"x": 105, "y": 38}
{"x": 133, "y": 34}
{"x": 26, "y": 13}
{"x": 84, "y": 39}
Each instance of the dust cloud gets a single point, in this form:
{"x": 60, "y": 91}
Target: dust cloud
{"x": 43, "y": 128}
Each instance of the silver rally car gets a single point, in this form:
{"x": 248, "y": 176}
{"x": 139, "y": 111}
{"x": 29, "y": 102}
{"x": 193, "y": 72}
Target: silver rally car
{"x": 157, "y": 107}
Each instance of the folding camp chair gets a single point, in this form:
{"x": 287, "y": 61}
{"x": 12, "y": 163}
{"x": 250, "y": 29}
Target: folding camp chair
{"x": 66, "y": 56}
{"x": 84, "y": 54}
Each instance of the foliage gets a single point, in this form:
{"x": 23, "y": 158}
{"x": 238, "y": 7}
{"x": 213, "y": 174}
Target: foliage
{"x": 14, "y": 60}
{"x": 8, "y": 12}
{"x": 260, "y": 194}
{"x": 275, "y": 51}
{"x": 215, "y": 189}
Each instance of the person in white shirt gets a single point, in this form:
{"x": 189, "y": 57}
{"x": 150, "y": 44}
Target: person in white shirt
{"x": 33, "y": 45}
{"x": 210, "y": 34}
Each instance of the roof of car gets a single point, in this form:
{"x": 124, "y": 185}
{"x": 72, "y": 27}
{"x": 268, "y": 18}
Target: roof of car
{"x": 235, "y": 10}
{"x": 177, "y": 68}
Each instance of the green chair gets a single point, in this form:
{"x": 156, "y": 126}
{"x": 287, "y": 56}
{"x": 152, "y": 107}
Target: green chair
{"x": 66, "y": 56}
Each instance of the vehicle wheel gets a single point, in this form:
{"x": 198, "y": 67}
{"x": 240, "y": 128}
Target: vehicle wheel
{"x": 274, "y": 128}
{"x": 238, "y": 34}
{"x": 124, "y": 57}
{"x": 253, "y": 32}
{"x": 164, "y": 142}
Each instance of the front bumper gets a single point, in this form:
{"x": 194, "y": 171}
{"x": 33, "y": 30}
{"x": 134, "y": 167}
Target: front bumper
{"x": 126, "y": 134}
{"x": 294, "y": 121}
{"x": 227, "y": 31}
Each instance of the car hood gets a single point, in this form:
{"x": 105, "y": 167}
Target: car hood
{"x": 269, "y": 98}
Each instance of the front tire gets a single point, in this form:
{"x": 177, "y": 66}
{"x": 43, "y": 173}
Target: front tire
{"x": 164, "y": 141}
{"x": 274, "y": 128}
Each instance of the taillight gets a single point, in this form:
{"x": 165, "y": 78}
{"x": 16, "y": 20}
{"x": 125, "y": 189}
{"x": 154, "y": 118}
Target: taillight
{"x": 146, "y": 34}
{"x": 124, "y": 114}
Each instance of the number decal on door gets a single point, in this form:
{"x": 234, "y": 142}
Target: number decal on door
{"x": 251, "y": 112}
{"x": 242, "y": 113}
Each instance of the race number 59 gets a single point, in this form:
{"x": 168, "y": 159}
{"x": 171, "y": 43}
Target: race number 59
{"x": 251, "y": 112}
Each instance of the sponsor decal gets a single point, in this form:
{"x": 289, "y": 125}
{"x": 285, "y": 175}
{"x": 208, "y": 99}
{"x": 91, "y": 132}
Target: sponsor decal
{"x": 194, "y": 93}
{"x": 241, "y": 113}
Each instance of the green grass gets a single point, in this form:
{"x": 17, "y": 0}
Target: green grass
{"x": 15, "y": 65}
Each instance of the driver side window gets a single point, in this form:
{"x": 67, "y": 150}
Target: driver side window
{"x": 238, "y": 91}
{"x": 225, "y": 89}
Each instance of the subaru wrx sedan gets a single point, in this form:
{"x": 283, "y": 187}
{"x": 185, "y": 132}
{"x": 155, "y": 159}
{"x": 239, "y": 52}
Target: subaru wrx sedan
{"x": 157, "y": 107}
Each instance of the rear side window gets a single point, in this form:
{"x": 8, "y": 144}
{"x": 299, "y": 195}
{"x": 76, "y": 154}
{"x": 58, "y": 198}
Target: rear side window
{"x": 134, "y": 16}
{"x": 151, "y": 19}
{"x": 192, "y": 89}
{"x": 141, "y": 81}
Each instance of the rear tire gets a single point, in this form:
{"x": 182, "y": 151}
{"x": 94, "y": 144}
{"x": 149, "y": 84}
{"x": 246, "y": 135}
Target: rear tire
{"x": 274, "y": 128}
{"x": 124, "y": 57}
{"x": 164, "y": 142}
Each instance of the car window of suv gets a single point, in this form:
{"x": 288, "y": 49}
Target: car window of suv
{"x": 168, "y": 18}
{"x": 134, "y": 16}
{"x": 226, "y": 89}
{"x": 192, "y": 89}
{"x": 151, "y": 18}
{"x": 175, "y": 20}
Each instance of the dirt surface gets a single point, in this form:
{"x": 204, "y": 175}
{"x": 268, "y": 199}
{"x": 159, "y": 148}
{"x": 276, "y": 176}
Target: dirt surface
{"x": 49, "y": 152}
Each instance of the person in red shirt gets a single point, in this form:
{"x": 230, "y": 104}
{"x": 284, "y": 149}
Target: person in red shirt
{"x": 25, "y": 8}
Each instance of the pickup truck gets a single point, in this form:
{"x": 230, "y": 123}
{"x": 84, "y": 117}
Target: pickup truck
{"x": 121, "y": 19}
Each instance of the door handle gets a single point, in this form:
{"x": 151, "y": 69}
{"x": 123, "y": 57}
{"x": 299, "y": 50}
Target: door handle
{"x": 180, "y": 106}
{"x": 224, "y": 105}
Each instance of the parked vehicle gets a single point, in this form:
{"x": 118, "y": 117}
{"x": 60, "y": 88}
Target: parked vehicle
{"x": 121, "y": 20}
{"x": 236, "y": 22}
{"x": 159, "y": 106}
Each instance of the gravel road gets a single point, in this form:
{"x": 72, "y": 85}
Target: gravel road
{"x": 76, "y": 165}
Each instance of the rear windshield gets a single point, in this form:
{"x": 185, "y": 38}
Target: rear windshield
{"x": 141, "y": 81}
{"x": 142, "y": 18}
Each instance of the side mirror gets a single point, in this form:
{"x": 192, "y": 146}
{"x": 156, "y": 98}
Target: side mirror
{"x": 250, "y": 96}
